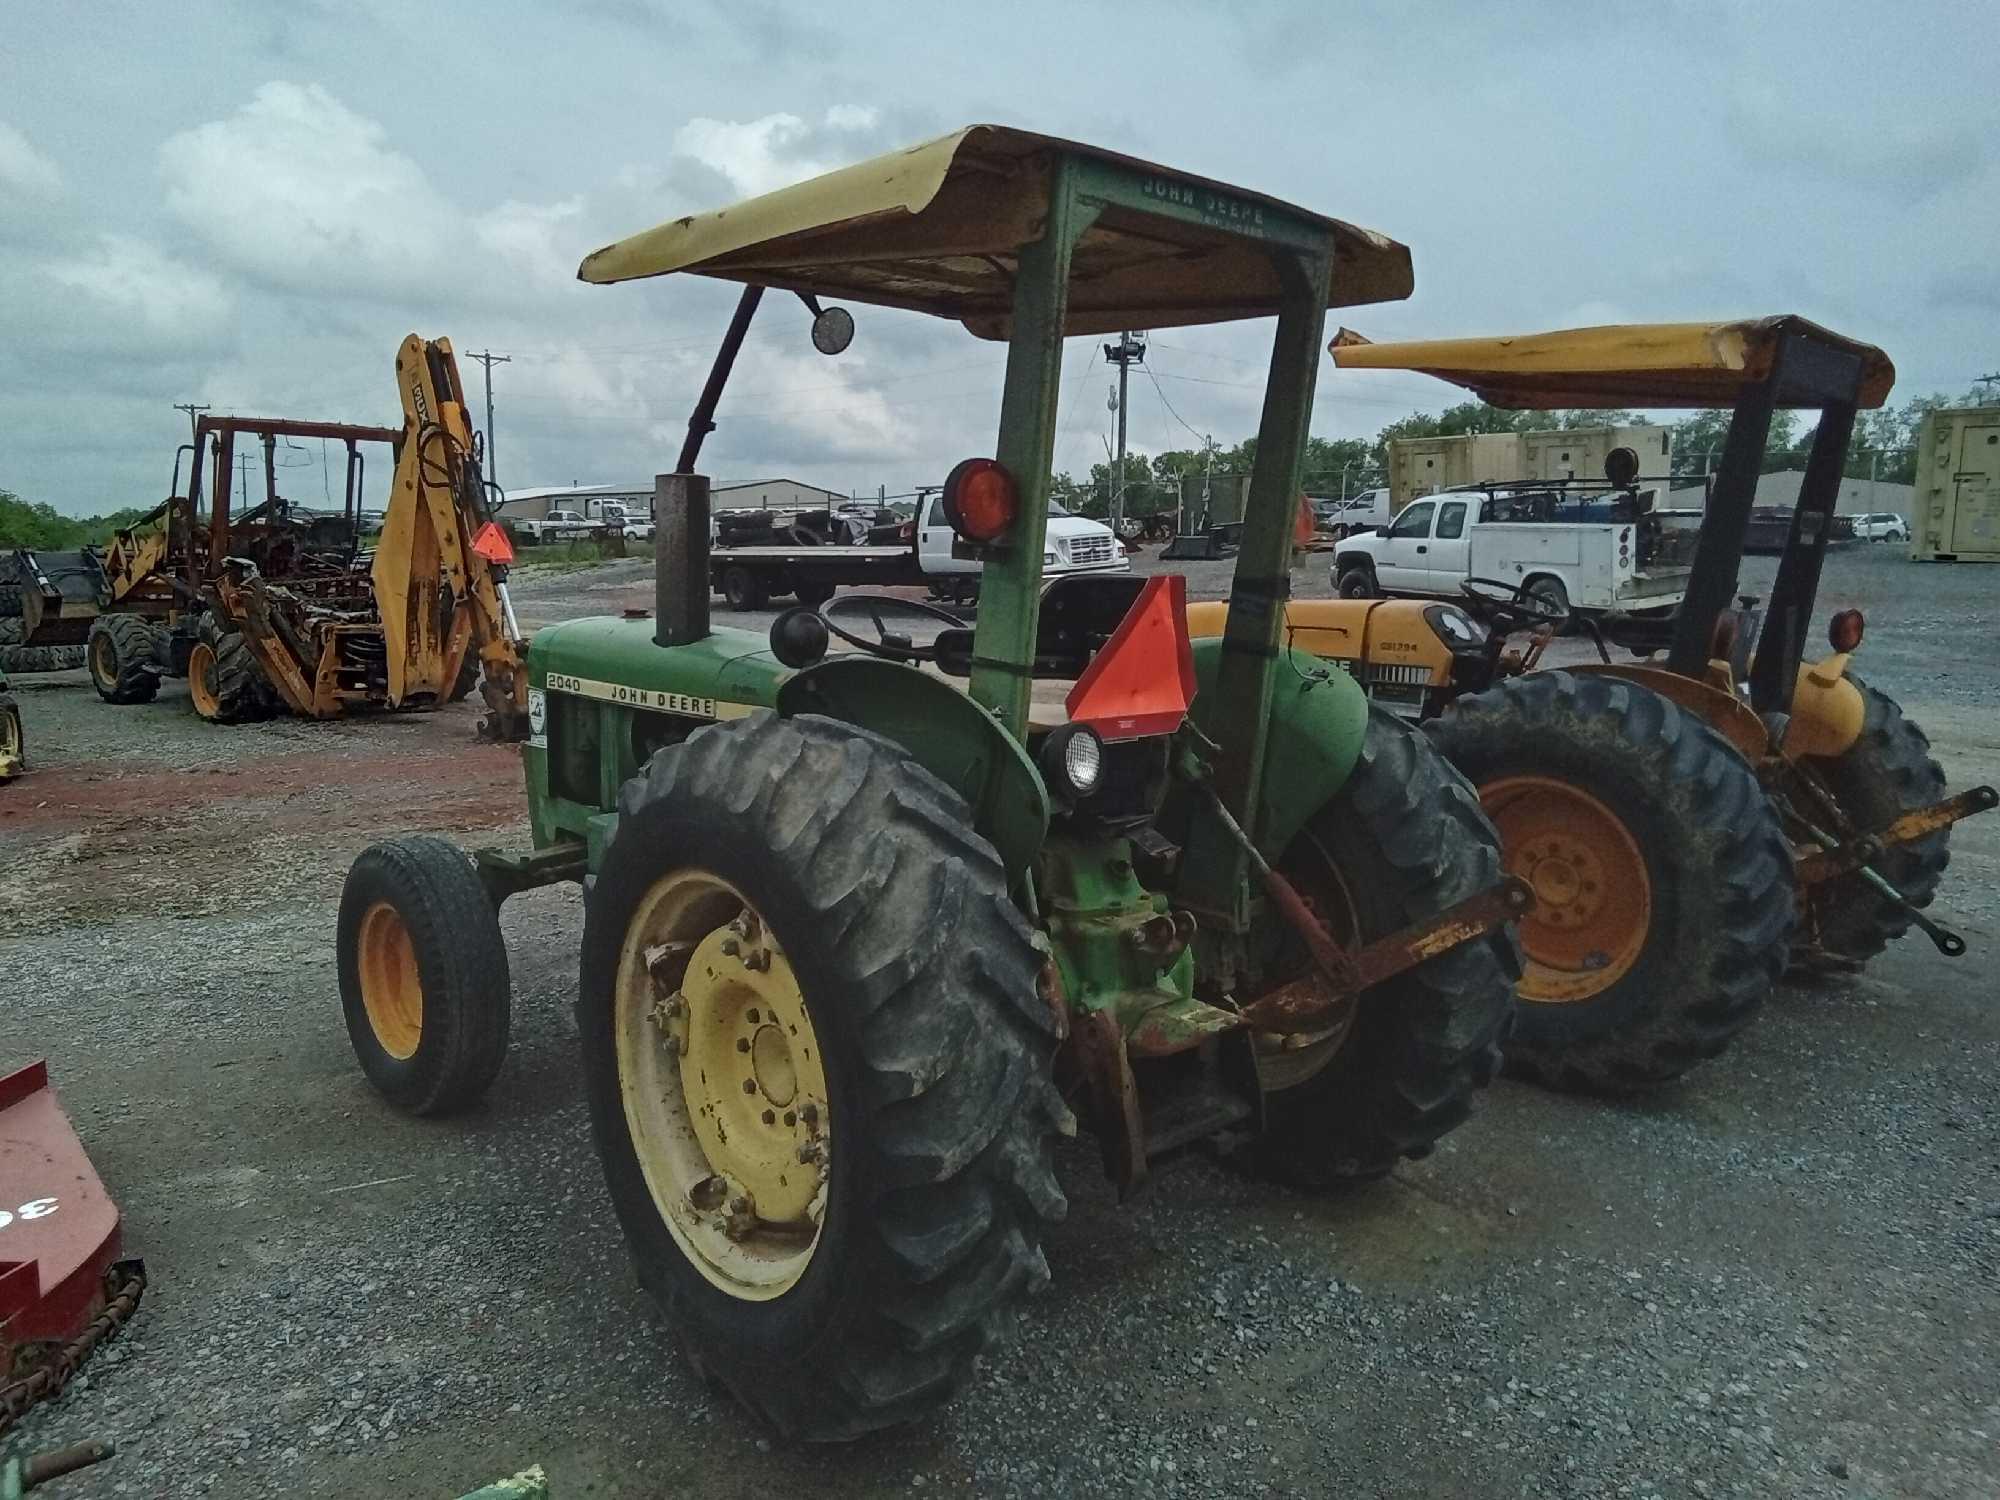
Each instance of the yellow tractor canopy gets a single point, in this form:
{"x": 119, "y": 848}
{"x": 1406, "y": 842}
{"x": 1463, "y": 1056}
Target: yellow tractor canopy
{"x": 1636, "y": 364}
{"x": 938, "y": 228}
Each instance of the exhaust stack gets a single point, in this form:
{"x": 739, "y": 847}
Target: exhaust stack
{"x": 680, "y": 559}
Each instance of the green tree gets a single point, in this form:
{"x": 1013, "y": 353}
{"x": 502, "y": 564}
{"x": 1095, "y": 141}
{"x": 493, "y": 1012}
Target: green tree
{"x": 41, "y": 525}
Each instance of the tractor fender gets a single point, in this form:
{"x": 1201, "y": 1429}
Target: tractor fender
{"x": 1319, "y": 716}
{"x": 1725, "y": 713}
{"x": 1827, "y": 711}
{"x": 946, "y": 733}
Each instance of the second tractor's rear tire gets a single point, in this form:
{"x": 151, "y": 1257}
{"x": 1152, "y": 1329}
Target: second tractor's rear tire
{"x": 1884, "y": 774}
{"x": 423, "y": 974}
{"x": 13, "y": 739}
{"x": 792, "y": 908}
{"x": 225, "y": 680}
{"x": 121, "y": 654}
{"x": 1402, "y": 840}
{"x": 744, "y": 589}
{"x": 1666, "y": 901}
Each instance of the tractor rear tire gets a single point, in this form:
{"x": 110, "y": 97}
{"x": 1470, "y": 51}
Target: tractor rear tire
{"x": 14, "y": 657}
{"x": 423, "y": 974}
{"x": 898, "y": 951}
{"x": 1884, "y": 774}
{"x": 1402, "y": 840}
{"x": 744, "y": 589}
{"x": 123, "y": 658}
{"x": 1666, "y": 900}
{"x": 225, "y": 680}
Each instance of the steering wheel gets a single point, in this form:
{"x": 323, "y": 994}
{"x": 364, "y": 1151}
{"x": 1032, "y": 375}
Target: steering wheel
{"x": 1509, "y": 606}
{"x": 885, "y": 642}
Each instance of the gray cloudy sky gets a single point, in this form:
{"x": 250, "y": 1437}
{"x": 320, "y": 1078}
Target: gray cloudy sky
{"x": 250, "y": 204}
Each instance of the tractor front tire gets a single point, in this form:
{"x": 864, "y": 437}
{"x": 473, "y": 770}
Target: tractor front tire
{"x": 1665, "y": 896}
{"x": 818, "y": 1070}
{"x": 423, "y": 974}
{"x": 122, "y": 654}
{"x": 1402, "y": 840}
{"x": 226, "y": 682}
{"x": 13, "y": 740}
{"x": 1884, "y": 774}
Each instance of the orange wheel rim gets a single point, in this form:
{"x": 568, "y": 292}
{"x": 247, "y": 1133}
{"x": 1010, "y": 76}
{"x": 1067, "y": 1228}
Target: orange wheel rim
{"x": 392, "y": 991}
{"x": 201, "y": 681}
{"x": 1593, "y": 897}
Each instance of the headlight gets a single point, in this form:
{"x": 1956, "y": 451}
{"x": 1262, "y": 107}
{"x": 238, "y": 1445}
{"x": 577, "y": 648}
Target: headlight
{"x": 1048, "y": 558}
{"x": 1454, "y": 626}
{"x": 1073, "y": 760}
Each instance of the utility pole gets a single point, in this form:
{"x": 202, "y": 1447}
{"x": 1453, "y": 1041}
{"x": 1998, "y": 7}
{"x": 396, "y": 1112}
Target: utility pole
{"x": 1993, "y": 379}
{"x": 1128, "y": 351}
{"x": 489, "y": 359}
{"x": 191, "y": 409}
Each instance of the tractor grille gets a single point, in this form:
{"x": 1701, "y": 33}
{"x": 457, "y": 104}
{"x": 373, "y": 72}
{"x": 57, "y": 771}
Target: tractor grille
{"x": 1085, "y": 550}
{"x": 1398, "y": 674}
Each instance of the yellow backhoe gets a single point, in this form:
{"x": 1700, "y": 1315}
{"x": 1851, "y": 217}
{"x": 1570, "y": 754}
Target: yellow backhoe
{"x": 273, "y": 610}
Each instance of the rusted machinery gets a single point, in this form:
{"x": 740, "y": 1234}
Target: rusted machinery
{"x": 275, "y": 609}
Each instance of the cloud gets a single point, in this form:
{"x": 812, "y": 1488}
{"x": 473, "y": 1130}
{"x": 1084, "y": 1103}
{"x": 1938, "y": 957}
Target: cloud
{"x": 297, "y": 190}
{"x": 23, "y": 168}
{"x": 762, "y": 155}
{"x": 1896, "y": 156}
{"x": 137, "y": 280}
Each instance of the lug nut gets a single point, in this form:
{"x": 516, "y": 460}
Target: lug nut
{"x": 749, "y": 1085}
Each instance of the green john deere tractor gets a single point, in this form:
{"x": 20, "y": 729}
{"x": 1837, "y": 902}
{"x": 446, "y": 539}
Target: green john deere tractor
{"x": 864, "y": 925}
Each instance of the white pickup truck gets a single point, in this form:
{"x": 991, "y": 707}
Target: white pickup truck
{"x": 562, "y": 526}
{"x": 748, "y": 576}
{"x": 1603, "y": 554}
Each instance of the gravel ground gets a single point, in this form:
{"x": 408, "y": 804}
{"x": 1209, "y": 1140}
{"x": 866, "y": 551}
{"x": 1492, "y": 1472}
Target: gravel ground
{"x": 1781, "y": 1278}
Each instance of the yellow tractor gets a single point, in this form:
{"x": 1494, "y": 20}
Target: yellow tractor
{"x": 274, "y": 609}
{"x": 1694, "y": 817}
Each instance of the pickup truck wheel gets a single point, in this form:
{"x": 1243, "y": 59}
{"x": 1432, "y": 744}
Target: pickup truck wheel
{"x": 1666, "y": 898}
{"x": 1550, "y": 594}
{"x": 818, "y": 1070}
{"x": 1358, "y": 583}
{"x": 744, "y": 589}
{"x": 1403, "y": 839}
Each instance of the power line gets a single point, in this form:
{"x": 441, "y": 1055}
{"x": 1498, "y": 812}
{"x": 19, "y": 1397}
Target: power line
{"x": 1170, "y": 405}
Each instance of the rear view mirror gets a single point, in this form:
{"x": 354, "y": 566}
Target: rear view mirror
{"x": 833, "y": 330}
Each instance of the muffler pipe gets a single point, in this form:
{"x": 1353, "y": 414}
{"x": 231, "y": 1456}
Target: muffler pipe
{"x": 680, "y": 559}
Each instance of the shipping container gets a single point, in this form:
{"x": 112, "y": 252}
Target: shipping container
{"x": 1423, "y": 466}
{"x": 1955, "y": 513}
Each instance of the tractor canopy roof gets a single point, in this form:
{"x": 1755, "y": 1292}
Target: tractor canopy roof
{"x": 1643, "y": 364}
{"x": 938, "y": 228}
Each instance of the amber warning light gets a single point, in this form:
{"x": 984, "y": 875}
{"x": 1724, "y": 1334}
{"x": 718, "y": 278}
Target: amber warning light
{"x": 980, "y": 500}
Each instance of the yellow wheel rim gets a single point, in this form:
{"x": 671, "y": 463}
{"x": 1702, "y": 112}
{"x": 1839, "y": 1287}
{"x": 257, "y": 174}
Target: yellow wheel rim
{"x": 201, "y": 680}
{"x": 392, "y": 991}
{"x": 724, "y": 1085}
{"x": 10, "y": 733}
{"x": 103, "y": 660}
{"x": 1593, "y": 898}
{"x": 1287, "y": 1061}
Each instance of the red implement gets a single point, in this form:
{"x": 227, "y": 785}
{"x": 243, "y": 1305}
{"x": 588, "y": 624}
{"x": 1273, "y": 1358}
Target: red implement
{"x": 58, "y": 1227}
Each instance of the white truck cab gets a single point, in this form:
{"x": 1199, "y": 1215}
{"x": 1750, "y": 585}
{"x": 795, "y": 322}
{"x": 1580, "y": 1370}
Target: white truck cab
{"x": 1073, "y": 545}
{"x": 1596, "y": 556}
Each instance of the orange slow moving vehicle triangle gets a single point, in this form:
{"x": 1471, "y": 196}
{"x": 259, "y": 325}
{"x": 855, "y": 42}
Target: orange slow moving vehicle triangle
{"x": 493, "y": 545}
{"x": 1142, "y": 682}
